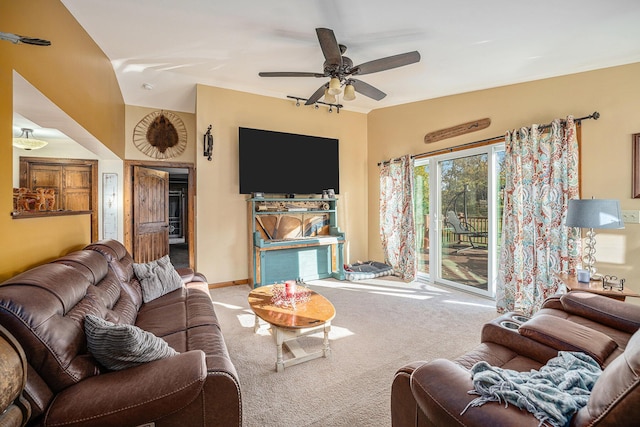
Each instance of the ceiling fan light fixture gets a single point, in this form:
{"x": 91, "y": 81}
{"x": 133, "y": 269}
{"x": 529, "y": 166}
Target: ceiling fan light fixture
{"x": 328, "y": 97}
{"x": 334, "y": 86}
{"x": 349, "y": 93}
{"x": 26, "y": 143}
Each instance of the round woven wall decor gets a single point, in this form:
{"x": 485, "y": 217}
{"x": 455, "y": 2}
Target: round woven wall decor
{"x": 160, "y": 135}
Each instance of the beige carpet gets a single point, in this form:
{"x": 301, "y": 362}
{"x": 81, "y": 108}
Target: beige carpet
{"x": 380, "y": 325}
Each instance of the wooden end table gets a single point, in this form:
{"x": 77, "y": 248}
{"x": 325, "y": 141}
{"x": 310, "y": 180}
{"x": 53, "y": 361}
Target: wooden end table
{"x": 594, "y": 286}
{"x": 288, "y": 323}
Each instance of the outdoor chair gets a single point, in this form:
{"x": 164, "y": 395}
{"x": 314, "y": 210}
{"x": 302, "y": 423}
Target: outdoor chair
{"x": 463, "y": 230}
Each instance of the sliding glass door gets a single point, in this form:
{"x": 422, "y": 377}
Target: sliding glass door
{"x": 458, "y": 217}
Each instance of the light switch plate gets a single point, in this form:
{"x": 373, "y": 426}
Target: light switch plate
{"x": 631, "y": 217}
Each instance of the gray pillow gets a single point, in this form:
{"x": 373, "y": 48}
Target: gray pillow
{"x": 119, "y": 347}
{"x": 157, "y": 278}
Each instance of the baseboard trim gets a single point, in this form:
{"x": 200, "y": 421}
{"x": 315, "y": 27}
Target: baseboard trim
{"x": 226, "y": 284}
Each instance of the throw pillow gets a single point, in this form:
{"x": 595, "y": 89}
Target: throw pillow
{"x": 119, "y": 347}
{"x": 157, "y": 278}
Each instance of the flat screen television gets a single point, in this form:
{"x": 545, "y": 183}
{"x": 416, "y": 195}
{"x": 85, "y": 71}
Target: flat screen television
{"x": 285, "y": 163}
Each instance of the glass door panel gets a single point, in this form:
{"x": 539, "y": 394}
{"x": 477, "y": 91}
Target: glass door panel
{"x": 465, "y": 233}
{"x": 422, "y": 220}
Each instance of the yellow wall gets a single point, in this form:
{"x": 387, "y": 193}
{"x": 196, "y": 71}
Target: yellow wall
{"x": 75, "y": 75}
{"x": 606, "y": 143}
{"x": 222, "y": 225}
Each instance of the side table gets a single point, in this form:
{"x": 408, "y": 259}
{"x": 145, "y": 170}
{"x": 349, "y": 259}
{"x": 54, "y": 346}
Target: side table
{"x": 594, "y": 286}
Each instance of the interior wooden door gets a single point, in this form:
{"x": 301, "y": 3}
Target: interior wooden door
{"x": 150, "y": 214}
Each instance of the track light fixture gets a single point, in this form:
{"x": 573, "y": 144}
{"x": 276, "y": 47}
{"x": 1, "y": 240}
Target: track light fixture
{"x": 316, "y": 105}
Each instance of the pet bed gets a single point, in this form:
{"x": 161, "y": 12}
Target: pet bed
{"x": 367, "y": 270}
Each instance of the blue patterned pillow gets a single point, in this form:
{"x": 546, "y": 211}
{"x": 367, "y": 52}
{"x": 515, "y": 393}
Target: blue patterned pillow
{"x": 157, "y": 278}
{"x": 119, "y": 347}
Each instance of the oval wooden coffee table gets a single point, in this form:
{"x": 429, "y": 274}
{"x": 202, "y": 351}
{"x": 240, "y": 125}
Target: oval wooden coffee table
{"x": 289, "y": 323}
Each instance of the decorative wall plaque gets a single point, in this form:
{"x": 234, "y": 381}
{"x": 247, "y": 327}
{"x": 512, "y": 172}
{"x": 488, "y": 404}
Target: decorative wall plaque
{"x": 457, "y": 130}
{"x": 160, "y": 135}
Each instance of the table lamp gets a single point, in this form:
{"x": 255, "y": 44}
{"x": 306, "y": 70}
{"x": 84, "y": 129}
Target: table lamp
{"x": 590, "y": 214}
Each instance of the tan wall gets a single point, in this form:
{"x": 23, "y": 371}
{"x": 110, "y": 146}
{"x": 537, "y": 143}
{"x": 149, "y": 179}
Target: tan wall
{"x": 222, "y": 235}
{"x": 74, "y": 74}
{"x": 606, "y": 143}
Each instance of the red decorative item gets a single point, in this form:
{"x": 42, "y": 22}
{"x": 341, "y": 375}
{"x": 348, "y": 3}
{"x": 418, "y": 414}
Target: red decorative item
{"x": 289, "y": 294}
{"x": 290, "y": 288}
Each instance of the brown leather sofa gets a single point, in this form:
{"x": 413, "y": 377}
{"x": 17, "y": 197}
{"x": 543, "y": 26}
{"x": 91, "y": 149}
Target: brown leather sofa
{"x": 435, "y": 393}
{"x": 44, "y": 309}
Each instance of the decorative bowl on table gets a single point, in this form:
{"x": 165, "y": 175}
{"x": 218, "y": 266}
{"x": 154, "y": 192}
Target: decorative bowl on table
{"x": 290, "y": 293}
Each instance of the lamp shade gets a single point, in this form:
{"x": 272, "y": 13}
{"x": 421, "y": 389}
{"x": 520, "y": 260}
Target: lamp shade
{"x": 329, "y": 97}
{"x": 349, "y": 93}
{"x": 334, "y": 86}
{"x": 594, "y": 213}
{"x": 26, "y": 143}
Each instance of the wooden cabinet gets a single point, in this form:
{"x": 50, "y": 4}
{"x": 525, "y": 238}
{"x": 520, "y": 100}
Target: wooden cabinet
{"x": 294, "y": 238}
{"x": 71, "y": 179}
{"x": 73, "y": 184}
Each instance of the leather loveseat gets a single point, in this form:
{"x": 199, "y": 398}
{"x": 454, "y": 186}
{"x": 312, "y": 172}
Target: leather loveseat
{"x": 44, "y": 309}
{"x": 435, "y": 393}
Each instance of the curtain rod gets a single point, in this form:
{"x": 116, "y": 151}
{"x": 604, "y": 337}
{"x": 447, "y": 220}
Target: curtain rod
{"x": 594, "y": 116}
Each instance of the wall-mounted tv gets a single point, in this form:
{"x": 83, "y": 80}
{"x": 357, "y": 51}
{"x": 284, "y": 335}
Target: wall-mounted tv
{"x": 286, "y": 163}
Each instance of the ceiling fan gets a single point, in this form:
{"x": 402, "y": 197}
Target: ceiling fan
{"x": 15, "y": 38}
{"x": 341, "y": 69}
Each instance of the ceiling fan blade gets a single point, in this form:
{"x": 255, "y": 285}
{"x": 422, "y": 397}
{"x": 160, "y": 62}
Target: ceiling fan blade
{"x": 367, "y": 90}
{"x": 317, "y": 95}
{"x": 289, "y": 74}
{"x": 329, "y": 46}
{"x": 387, "y": 63}
{"x": 15, "y": 38}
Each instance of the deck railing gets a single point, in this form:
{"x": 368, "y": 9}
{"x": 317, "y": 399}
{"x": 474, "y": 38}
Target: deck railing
{"x": 448, "y": 236}
{"x": 480, "y": 224}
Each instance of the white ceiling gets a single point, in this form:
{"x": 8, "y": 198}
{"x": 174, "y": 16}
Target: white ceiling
{"x": 465, "y": 45}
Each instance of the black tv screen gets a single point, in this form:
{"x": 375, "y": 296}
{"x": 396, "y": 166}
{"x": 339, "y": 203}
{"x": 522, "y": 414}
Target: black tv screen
{"x": 286, "y": 163}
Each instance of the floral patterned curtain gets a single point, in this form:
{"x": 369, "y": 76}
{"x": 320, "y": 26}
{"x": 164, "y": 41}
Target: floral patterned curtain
{"x": 396, "y": 217}
{"x": 541, "y": 176}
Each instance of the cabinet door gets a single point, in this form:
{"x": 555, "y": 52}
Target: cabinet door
{"x": 77, "y": 188}
{"x": 44, "y": 176}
